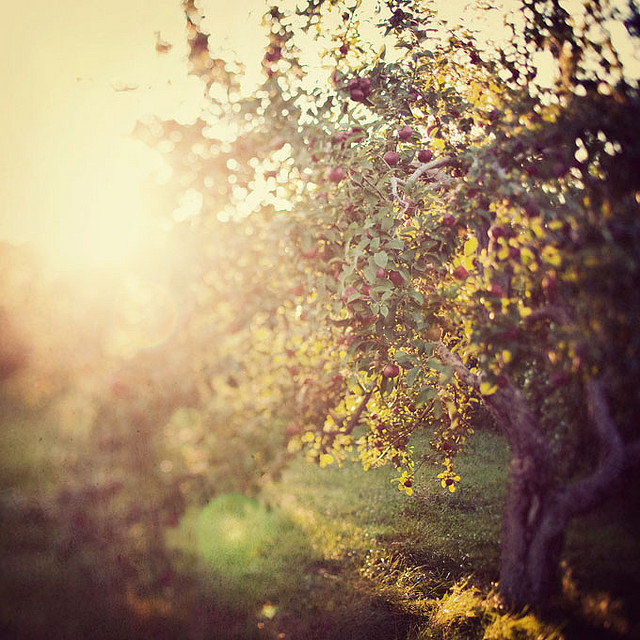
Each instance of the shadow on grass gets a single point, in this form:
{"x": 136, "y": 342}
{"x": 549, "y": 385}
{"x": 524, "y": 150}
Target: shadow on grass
{"x": 262, "y": 567}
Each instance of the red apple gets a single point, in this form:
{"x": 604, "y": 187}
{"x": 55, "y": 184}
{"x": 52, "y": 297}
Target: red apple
{"x": 337, "y": 174}
{"x": 396, "y": 278}
{"x": 347, "y": 293}
{"x": 356, "y": 95}
{"x": 391, "y": 158}
{"x": 460, "y": 273}
{"x": 424, "y": 155}
{"x": 391, "y": 371}
{"x": 405, "y": 133}
{"x": 496, "y": 290}
{"x": 448, "y": 220}
{"x": 497, "y": 232}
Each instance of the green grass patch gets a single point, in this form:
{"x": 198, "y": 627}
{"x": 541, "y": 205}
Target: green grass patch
{"x": 322, "y": 554}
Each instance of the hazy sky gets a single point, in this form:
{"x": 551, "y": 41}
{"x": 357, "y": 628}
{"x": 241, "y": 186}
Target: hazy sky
{"x": 65, "y": 156}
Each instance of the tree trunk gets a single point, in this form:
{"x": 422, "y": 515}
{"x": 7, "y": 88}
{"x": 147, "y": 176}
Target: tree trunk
{"x": 537, "y": 510}
{"x": 533, "y": 532}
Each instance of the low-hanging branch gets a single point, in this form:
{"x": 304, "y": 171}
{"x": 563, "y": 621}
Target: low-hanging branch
{"x": 355, "y": 417}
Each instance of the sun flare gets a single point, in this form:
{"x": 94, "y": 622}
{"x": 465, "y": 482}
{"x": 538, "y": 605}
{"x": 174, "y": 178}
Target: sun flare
{"x": 106, "y": 217}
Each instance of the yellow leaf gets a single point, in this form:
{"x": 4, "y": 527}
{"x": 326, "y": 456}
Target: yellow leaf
{"x": 470, "y": 246}
{"x": 537, "y": 229}
{"x": 551, "y": 255}
{"x": 452, "y": 487}
{"x": 325, "y": 459}
{"x": 486, "y": 388}
{"x": 506, "y": 356}
{"x": 525, "y": 311}
{"x": 467, "y": 262}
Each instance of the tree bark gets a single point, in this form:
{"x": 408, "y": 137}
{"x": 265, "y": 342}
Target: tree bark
{"x": 537, "y": 509}
{"x": 533, "y": 533}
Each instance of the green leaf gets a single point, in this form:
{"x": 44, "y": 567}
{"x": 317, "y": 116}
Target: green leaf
{"x": 418, "y": 319}
{"x": 395, "y": 243}
{"x": 426, "y": 394}
{"x": 386, "y": 223}
{"x": 381, "y": 259}
{"x": 403, "y": 358}
{"x": 432, "y": 363}
{"x": 411, "y": 376}
{"x": 370, "y": 273}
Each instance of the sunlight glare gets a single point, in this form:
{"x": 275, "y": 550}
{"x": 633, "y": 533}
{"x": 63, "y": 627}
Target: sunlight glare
{"x": 106, "y": 217}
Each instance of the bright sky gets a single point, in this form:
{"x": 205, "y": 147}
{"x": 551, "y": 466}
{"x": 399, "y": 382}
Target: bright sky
{"x": 68, "y": 172}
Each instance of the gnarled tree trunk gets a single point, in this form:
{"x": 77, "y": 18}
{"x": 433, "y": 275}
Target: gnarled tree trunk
{"x": 533, "y": 532}
{"x": 537, "y": 510}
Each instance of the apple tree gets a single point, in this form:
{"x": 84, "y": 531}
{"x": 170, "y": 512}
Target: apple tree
{"x": 432, "y": 233}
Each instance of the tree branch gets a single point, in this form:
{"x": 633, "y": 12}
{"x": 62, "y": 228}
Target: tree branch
{"x": 373, "y": 186}
{"x": 355, "y": 418}
{"x": 454, "y": 361}
{"x": 585, "y": 494}
{"x": 427, "y": 166}
{"x": 551, "y": 313}
{"x": 508, "y": 407}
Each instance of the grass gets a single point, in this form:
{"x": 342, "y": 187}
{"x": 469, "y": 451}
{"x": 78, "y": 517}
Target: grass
{"x": 321, "y": 554}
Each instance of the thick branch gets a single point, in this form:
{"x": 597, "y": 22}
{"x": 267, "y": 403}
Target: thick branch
{"x": 585, "y": 494}
{"x": 355, "y": 418}
{"x": 508, "y": 407}
{"x": 427, "y": 166}
{"x": 552, "y": 313}
{"x": 462, "y": 371}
